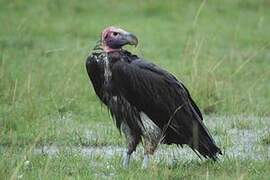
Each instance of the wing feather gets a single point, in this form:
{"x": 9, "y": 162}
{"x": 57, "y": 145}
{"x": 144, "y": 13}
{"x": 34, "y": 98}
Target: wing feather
{"x": 159, "y": 94}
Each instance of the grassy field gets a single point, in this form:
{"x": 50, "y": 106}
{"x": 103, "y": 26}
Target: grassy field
{"x": 219, "y": 49}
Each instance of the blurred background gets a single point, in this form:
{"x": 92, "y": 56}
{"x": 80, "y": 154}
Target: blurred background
{"x": 219, "y": 49}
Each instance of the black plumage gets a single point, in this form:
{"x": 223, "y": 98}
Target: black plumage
{"x": 129, "y": 85}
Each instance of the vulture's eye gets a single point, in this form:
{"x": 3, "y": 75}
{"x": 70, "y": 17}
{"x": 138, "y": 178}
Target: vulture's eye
{"x": 115, "y": 33}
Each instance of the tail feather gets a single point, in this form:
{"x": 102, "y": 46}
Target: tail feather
{"x": 193, "y": 133}
{"x": 186, "y": 127}
{"x": 203, "y": 142}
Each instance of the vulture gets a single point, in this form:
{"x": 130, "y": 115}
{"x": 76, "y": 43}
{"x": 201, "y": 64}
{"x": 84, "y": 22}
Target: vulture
{"x": 148, "y": 104}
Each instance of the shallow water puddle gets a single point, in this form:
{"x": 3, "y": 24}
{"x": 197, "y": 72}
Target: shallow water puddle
{"x": 238, "y": 136}
{"x": 244, "y": 145}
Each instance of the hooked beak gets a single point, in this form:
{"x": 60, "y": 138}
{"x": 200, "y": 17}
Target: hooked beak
{"x": 131, "y": 39}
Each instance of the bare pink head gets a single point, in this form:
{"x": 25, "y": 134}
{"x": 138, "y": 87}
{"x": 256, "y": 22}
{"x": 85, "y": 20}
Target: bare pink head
{"x": 113, "y": 38}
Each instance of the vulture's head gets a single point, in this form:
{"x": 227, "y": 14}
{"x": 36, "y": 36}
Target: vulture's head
{"x": 113, "y": 38}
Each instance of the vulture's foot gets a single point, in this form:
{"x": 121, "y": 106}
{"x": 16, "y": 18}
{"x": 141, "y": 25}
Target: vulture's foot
{"x": 126, "y": 159}
{"x": 145, "y": 162}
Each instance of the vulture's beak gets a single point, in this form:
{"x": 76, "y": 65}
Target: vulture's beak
{"x": 131, "y": 39}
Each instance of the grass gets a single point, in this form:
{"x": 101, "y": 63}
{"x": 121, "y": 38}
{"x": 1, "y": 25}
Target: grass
{"x": 266, "y": 139}
{"x": 77, "y": 167}
{"x": 220, "y": 52}
{"x": 241, "y": 124}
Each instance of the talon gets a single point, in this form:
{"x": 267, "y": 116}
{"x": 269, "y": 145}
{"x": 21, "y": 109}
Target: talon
{"x": 126, "y": 159}
{"x": 145, "y": 161}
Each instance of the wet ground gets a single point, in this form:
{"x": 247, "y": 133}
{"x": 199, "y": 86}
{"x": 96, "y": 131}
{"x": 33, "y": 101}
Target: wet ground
{"x": 239, "y": 137}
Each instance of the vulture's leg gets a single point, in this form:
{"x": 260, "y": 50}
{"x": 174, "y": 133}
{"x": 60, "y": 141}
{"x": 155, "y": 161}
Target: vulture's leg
{"x": 132, "y": 139}
{"x": 151, "y": 135}
{"x": 150, "y": 146}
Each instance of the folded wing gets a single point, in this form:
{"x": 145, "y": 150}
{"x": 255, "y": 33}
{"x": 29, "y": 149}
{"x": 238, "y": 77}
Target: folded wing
{"x": 166, "y": 101}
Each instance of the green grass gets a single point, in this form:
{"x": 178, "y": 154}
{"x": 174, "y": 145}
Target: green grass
{"x": 78, "y": 167}
{"x": 220, "y": 50}
{"x": 266, "y": 139}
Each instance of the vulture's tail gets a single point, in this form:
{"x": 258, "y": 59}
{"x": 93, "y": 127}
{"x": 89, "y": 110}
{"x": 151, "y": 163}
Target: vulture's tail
{"x": 203, "y": 143}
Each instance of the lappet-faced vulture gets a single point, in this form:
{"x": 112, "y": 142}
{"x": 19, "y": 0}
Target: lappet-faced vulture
{"x": 148, "y": 104}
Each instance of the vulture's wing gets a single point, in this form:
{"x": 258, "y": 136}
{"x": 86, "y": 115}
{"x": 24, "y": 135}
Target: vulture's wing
{"x": 155, "y": 69}
{"x": 166, "y": 101}
{"x": 95, "y": 71}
